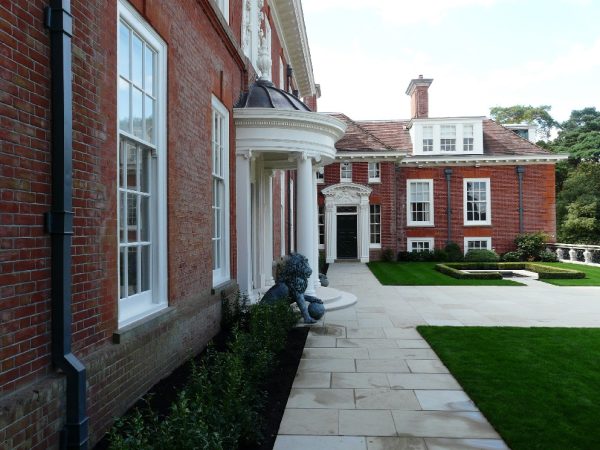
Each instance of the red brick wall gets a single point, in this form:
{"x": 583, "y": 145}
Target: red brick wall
{"x": 383, "y": 193}
{"x": 199, "y": 64}
{"x": 538, "y": 199}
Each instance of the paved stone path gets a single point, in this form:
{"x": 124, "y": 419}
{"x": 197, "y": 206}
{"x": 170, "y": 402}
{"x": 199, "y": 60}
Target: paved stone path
{"x": 368, "y": 381}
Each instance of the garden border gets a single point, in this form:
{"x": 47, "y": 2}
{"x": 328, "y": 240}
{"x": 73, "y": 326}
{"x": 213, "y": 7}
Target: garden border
{"x": 456, "y": 270}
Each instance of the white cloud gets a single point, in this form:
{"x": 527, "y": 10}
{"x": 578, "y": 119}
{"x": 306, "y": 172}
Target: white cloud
{"x": 398, "y": 11}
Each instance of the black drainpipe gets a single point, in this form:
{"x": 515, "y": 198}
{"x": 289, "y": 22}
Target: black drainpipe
{"x": 448, "y": 173}
{"x": 59, "y": 223}
{"x": 520, "y": 172}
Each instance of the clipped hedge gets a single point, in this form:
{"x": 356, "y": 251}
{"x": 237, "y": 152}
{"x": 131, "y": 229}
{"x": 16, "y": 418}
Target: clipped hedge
{"x": 455, "y": 270}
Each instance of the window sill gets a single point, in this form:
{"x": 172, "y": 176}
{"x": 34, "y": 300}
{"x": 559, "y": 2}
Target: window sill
{"x": 374, "y": 181}
{"x": 418, "y": 225}
{"x": 143, "y": 325}
{"x": 375, "y": 246}
{"x": 486, "y": 224}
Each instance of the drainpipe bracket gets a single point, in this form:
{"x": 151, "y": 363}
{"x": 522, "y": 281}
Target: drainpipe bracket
{"x": 59, "y": 18}
{"x": 59, "y": 222}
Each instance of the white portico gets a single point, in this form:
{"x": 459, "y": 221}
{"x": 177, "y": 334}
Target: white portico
{"x": 276, "y": 131}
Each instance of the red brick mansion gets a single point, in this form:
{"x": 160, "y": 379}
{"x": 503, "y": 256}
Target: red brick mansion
{"x": 411, "y": 185}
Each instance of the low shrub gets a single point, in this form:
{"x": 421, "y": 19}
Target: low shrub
{"x": 403, "y": 256}
{"x": 512, "y": 256}
{"x": 387, "y": 255}
{"x": 544, "y": 272}
{"x": 548, "y": 256}
{"x": 460, "y": 275}
{"x": 454, "y": 252}
{"x": 440, "y": 255}
{"x": 221, "y": 403}
{"x": 481, "y": 255}
{"x": 530, "y": 245}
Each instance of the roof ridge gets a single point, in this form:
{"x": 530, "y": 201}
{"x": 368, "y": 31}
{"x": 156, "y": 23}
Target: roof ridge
{"x": 370, "y": 134}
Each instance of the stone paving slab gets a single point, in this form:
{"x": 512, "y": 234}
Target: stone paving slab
{"x": 309, "y": 421}
{"x": 426, "y": 366}
{"x": 440, "y": 400}
{"x": 386, "y": 399}
{"x": 395, "y": 443}
{"x": 320, "y": 443}
{"x": 364, "y": 422}
{"x": 465, "y": 444}
{"x": 443, "y": 424}
{"x": 382, "y": 365}
{"x": 422, "y": 381}
{"x": 321, "y": 398}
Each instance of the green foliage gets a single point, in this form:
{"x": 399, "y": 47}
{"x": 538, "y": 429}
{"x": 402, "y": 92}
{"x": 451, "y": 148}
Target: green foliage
{"x": 481, "y": 255}
{"x": 580, "y": 135}
{"x": 387, "y": 255}
{"x": 548, "y": 256}
{"x": 530, "y": 245}
{"x": 578, "y": 205}
{"x": 454, "y": 252}
{"x": 512, "y": 256}
{"x": 539, "y": 115}
{"x": 460, "y": 275}
{"x": 543, "y": 271}
{"x": 221, "y": 403}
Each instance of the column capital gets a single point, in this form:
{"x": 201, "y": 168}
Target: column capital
{"x": 246, "y": 154}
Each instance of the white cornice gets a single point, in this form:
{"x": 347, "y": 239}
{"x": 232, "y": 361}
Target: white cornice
{"x": 482, "y": 160}
{"x": 290, "y": 20}
{"x": 373, "y": 156}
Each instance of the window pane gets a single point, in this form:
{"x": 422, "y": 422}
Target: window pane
{"x": 122, "y": 217}
{"x": 136, "y": 60}
{"x": 149, "y": 56}
{"x": 132, "y": 274}
{"x": 123, "y": 105}
{"x": 149, "y": 126}
{"x": 144, "y": 219}
{"x": 145, "y": 167}
{"x": 131, "y": 182}
{"x": 137, "y": 106}
{"x": 132, "y": 217}
{"x": 123, "y": 271}
{"x": 124, "y": 34}
{"x": 146, "y": 268}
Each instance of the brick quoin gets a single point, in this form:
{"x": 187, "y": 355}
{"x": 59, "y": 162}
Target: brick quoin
{"x": 538, "y": 203}
{"x": 199, "y": 65}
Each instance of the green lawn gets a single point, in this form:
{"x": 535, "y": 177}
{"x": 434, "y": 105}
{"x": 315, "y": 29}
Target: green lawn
{"x": 592, "y": 275}
{"x": 538, "y": 387}
{"x": 424, "y": 274}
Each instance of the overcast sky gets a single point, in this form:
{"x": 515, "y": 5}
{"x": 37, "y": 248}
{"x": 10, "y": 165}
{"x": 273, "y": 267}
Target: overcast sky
{"x": 480, "y": 53}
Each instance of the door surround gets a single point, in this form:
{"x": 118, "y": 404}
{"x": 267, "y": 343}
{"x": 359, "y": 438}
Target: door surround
{"x": 347, "y": 194}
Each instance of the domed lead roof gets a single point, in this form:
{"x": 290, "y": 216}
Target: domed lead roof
{"x": 264, "y": 94}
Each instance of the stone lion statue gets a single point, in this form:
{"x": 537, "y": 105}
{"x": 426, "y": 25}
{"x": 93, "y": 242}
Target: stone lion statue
{"x": 290, "y": 285}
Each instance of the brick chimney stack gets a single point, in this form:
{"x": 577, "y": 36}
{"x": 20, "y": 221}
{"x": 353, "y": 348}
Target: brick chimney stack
{"x": 419, "y": 97}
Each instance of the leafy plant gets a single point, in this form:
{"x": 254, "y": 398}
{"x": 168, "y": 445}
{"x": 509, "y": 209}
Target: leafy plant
{"x": 482, "y": 255}
{"x": 548, "y": 256}
{"x": 530, "y": 245}
{"x": 512, "y": 256}
{"x": 387, "y": 255}
{"x": 454, "y": 252}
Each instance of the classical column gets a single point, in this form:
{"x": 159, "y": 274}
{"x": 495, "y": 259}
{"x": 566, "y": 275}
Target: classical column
{"x": 304, "y": 215}
{"x": 363, "y": 229}
{"x": 266, "y": 228}
{"x": 243, "y": 223}
{"x": 315, "y": 257}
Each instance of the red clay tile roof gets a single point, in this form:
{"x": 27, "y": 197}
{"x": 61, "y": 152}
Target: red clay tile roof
{"x": 392, "y": 135}
{"x": 498, "y": 140}
{"x": 364, "y": 136}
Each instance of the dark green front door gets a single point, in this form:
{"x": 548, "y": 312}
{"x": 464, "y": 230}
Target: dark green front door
{"x": 346, "y": 237}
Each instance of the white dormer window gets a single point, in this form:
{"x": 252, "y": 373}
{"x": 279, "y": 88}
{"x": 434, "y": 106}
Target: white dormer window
{"x": 374, "y": 172}
{"x": 468, "y": 138}
{"x": 427, "y": 138}
{"x": 448, "y": 138}
{"x": 346, "y": 172}
{"x": 457, "y": 135}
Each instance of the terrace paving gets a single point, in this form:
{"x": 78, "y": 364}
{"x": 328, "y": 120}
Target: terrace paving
{"x": 367, "y": 380}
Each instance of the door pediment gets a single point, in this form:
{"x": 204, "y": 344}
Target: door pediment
{"x": 346, "y": 193}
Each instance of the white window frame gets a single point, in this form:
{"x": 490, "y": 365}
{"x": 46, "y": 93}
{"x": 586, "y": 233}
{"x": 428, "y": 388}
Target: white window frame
{"x": 138, "y": 306}
{"x": 428, "y": 141}
{"x": 488, "y": 202}
{"x": 410, "y": 241}
{"x": 374, "y": 170}
{"x": 320, "y": 175}
{"x": 223, "y": 6}
{"x": 414, "y": 223}
{"x": 371, "y": 213}
{"x": 448, "y": 141}
{"x": 345, "y": 179}
{"x": 223, "y": 274}
{"x": 477, "y": 239}
{"x": 468, "y": 141}
{"x": 321, "y": 222}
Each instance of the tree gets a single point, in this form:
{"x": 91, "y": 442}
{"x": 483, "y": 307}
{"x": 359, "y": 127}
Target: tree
{"x": 539, "y": 115}
{"x": 578, "y": 205}
{"x": 580, "y": 135}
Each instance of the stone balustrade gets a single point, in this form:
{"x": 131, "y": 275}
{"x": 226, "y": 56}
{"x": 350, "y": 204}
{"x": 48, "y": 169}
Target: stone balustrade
{"x": 571, "y": 252}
